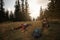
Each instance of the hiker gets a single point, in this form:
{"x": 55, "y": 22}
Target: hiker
{"x": 45, "y": 23}
{"x": 36, "y": 33}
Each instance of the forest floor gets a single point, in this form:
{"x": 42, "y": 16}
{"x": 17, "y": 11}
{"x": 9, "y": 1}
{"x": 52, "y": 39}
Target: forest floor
{"x": 52, "y": 33}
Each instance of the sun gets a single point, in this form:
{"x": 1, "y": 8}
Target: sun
{"x": 34, "y": 8}
{"x": 9, "y": 9}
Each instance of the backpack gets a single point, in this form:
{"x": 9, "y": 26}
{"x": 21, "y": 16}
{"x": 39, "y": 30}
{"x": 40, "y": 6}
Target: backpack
{"x": 37, "y": 33}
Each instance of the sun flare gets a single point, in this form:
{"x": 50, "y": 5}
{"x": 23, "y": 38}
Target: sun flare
{"x": 9, "y": 9}
{"x": 34, "y": 8}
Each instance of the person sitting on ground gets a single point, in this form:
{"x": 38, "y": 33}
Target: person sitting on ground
{"x": 22, "y": 27}
{"x": 45, "y": 23}
{"x": 37, "y": 33}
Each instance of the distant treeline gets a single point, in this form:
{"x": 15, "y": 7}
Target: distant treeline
{"x": 20, "y": 14}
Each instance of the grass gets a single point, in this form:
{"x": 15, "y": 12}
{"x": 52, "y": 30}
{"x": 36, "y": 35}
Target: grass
{"x": 7, "y": 34}
{"x": 52, "y": 33}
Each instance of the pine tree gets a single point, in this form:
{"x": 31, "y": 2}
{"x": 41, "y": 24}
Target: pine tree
{"x": 51, "y": 5}
{"x": 26, "y": 11}
{"x": 22, "y": 5}
{"x": 41, "y": 14}
{"x": 57, "y": 9}
{"x": 23, "y": 10}
{"x": 50, "y": 13}
{"x": 6, "y": 15}
{"x": 11, "y": 16}
{"x": 2, "y": 13}
{"x": 54, "y": 9}
{"x": 17, "y": 10}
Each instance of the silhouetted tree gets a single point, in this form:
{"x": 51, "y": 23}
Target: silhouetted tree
{"x": 26, "y": 11}
{"x": 22, "y": 5}
{"x": 2, "y": 13}
{"x": 11, "y": 16}
{"x": 23, "y": 10}
{"x": 33, "y": 19}
{"x": 17, "y": 10}
{"x": 41, "y": 14}
{"x": 57, "y": 8}
{"x": 53, "y": 9}
{"x": 6, "y": 15}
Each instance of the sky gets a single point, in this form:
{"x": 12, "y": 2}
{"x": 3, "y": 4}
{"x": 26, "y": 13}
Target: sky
{"x": 34, "y": 6}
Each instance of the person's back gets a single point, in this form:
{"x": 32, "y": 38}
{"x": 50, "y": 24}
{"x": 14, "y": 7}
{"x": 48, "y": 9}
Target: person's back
{"x": 36, "y": 33}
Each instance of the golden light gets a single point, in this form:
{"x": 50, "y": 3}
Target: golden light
{"x": 9, "y": 9}
{"x": 34, "y": 8}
